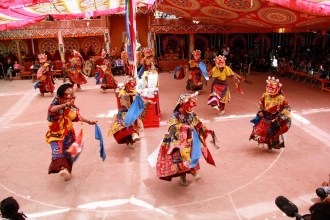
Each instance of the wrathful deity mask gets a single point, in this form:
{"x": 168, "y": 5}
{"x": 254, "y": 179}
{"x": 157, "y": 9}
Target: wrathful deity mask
{"x": 187, "y": 102}
{"x": 196, "y": 54}
{"x": 130, "y": 84}
{"x": 220, "y": 61}
{"x": 147, "y": 52}
{"x": 273, "y": 86}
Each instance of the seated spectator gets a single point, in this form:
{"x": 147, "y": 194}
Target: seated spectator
{"x": 35, "y": 67}
{"x": 301, "y": 66}
{"x": 113, "y": 63}
{"x": 10, "y": 209}
{"x": 232, "y": 61}
{"x": 89, "y": 67}
{"x": 245, "y": 62}
{"x": 281, "y": 67}
{"x": 323, "y": 70}
{"x": 120, "y": 66}
{"x": 263, "y": 65}
{"x": 308, "y": 69}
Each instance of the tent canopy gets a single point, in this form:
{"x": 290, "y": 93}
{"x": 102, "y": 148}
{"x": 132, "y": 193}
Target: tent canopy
{"x": 272, "y": 14}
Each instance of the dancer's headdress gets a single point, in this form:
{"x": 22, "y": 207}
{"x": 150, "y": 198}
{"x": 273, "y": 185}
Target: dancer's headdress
{"x": 184, "y": 98}
{"x": 147, "y": 51}
{"x": 220, "y": 61}
{"x": 273, "y": 86}
{"x": 273, "y": 81}
{"x": 127, "y": 80}
{"x": 196, "y": 52}
{"x": 42, "y": 58}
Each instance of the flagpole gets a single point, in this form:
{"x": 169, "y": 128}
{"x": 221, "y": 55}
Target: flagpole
{"x": 131, "y": 34}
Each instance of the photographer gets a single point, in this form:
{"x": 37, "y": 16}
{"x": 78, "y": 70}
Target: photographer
{"x": 324, "y": 191}
{"x": 318, "y": 211}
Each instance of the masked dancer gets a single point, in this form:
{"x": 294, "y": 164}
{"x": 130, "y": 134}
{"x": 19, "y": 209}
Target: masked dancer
{"x": 104, "y": 74}
{"x": 273, "y": 118}
{"x": 220, "y": 94}
{"x": 62, "y": 112}
{"x": 45, "y": 81}
{"x": 128, "y": 124}
{"x": 196, "y": 78}
{"x": 148, "y": 60}
{"x": 184, "y": 143}
{"x": 78, "y": 77}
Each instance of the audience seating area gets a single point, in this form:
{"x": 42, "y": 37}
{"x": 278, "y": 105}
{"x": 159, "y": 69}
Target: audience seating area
{"x": 26, "y": 72}
{"x": 310, "y": 76}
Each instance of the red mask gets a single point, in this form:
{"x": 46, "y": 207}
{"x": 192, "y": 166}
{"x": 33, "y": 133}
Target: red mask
{"x": 130, "y": 86}
{"x": 188, "y": 106}
{"x": 273, "y": 87}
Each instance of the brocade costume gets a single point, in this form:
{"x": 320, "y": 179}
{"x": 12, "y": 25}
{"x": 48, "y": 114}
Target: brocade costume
{"x": 76, "y": 65}
{"x": 61, "y": 135}
{"x": 220, "y": 94}
{"x": 273, "y": 118}
{"x": 183, "y": 145}
{"x": 45, "y": 83}
{"x": 129, "y": 133}
{"x": 196, "y": 79}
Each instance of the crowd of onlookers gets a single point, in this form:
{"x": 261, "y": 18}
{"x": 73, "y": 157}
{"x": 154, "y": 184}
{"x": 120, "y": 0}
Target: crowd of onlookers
{"x": 307, "y": 59}
{"x": 10, "y": 67}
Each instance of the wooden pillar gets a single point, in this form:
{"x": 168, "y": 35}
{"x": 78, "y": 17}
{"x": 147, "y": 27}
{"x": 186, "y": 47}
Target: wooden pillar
{"x": 324, "y": 41}
{"x": 295, "y": 44}
{"x": 226, "y": 40}
{"x": 33, "y": 50}
{"x": 107, "y": 40}
{"x": 192, "y": 40}
{"x": 19, "y": 55}
{"x": 61, "y": 45}
{"x": 262, "y": 45}
{"x": 108, "y": 25}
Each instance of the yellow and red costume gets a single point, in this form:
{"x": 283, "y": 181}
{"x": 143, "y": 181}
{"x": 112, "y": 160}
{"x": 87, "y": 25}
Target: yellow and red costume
{"x": 220, "y": 94}
{"x": 273, "y": 118}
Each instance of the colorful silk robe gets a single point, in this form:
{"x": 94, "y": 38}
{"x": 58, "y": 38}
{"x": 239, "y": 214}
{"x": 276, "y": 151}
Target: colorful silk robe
{"x": 276, "y": 121}
{"x": 176, "y": 153}
{"x": 61, "y": 133}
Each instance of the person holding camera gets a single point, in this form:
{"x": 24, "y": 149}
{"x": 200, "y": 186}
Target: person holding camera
{"x": 324, "y": 191}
